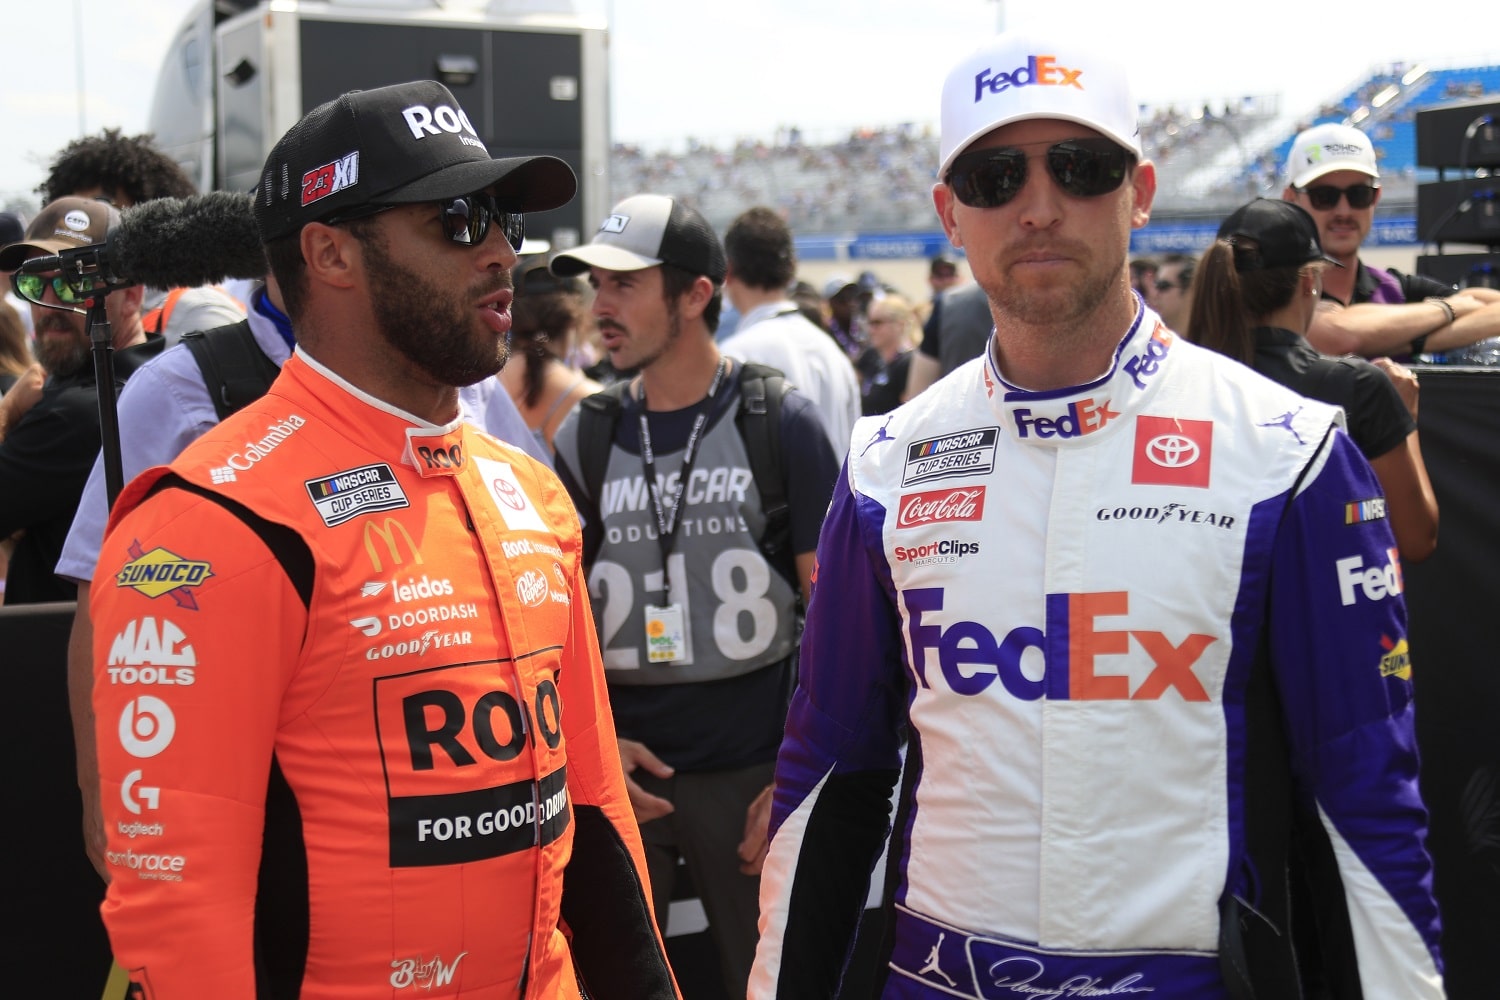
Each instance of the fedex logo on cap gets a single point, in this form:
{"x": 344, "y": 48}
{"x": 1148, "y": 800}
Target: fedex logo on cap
{"x": 424, "y": 121}
{"x": 320, "y": 182}
{"x": 1041, "y": 71}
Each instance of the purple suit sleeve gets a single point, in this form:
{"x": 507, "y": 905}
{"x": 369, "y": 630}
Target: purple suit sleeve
{"x": 1343, "y": 668}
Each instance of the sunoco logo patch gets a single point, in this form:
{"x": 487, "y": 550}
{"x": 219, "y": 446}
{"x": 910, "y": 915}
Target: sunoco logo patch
{"x": 344, "y": 495}
{"x": 967, "y": 453}
{"x": 160, "y": 572}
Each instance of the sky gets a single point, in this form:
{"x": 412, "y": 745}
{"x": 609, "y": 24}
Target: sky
{"x": 716, "y": 70}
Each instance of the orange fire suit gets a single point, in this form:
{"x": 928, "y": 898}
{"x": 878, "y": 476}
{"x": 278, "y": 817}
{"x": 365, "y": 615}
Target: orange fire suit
{"x": 353, "y": 734}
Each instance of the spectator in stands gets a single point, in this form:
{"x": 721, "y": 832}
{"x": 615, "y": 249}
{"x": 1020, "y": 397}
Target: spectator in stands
{"x": 127, "y": 170}
{"x": 773, "y": 331}
{"x": 1257, "y": 291}
{"x": 893, "y": 332}
{"x": 547, "y": 316}
{"x": 49, "y": 431}
{"x": 1331, "y": 172}
{"x": 1172, "y": 291}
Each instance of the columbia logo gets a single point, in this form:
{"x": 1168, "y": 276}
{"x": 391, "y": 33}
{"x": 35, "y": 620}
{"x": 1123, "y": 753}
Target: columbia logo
{"x": 223, "y": 474}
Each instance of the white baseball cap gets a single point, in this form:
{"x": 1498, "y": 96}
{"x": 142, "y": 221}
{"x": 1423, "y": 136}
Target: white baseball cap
{"x": 1018, "y": 76}
{"x": 1323, "y": 149}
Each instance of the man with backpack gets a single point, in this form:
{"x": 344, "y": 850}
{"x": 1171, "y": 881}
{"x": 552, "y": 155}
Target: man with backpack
{"x": 702, "y": 484}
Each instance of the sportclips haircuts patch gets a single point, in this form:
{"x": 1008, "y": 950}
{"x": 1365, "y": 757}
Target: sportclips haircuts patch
{"x": 348, "y": 494}
{"x": 966, "y": 453}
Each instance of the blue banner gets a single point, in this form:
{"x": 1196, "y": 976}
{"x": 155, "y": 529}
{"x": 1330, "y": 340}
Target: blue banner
{"x": 1158, "y": 237}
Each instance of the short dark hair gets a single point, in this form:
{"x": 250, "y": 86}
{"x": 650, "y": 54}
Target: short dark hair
{"x": 131, "y": 165}
{"x": 675, "y": 283}
{"x": 759, "y": 246}
{"x": 1188, "y": 264}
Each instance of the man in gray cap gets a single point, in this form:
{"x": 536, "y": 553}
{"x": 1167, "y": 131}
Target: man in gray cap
{"x": 1045, "y": 602}
{"x": 697, "y": 568}
{"x": 351, "y": 727}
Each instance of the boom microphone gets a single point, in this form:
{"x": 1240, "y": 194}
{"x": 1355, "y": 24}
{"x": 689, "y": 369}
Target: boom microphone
{"x": 170, "y": 243}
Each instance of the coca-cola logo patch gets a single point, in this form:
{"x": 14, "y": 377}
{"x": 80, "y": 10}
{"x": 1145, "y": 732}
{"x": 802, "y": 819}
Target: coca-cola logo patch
{"x": 938, "y": 506}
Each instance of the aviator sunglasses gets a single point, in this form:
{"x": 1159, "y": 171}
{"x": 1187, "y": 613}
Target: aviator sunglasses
{"x": 1083, "y": 168}
{"x": 1326, "y": 196}
{"x": 71, "y": 289}
{"x": 466, "y": 220}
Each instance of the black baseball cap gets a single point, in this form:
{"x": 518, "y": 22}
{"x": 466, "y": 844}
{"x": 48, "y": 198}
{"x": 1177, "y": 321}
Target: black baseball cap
{"x": 646, "y": 230}
{"x": 396, "y": 145}
{"x": 1284, "y": 234}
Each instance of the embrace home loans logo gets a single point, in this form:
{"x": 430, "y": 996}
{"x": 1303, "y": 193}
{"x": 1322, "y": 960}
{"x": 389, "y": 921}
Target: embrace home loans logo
{"x": 1039, "y": 71}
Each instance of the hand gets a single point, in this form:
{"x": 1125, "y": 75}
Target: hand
{"x": 1405, "y": 381}
{"x": 21, "y": 398}
{"x": 647, "y": 806}
{"x": 756, "y": 844}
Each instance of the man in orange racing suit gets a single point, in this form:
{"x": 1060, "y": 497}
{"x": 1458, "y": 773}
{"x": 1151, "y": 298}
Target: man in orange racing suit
{"x": 353, "y": 733}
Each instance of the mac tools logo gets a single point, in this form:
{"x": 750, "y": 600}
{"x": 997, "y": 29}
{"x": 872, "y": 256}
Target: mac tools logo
{"x": 1170, "y": 451}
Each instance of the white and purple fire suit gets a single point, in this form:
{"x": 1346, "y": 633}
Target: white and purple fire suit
{"x": 1094, "y": 619}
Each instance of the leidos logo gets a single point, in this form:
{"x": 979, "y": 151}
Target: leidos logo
{"x": 161, "y": 572}
{"x": 1041, "y": 71}
{"x": 330, "y": 178}
{"x": 1070, "y": 655}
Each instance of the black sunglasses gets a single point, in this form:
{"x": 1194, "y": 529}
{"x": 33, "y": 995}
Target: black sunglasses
{"x": 71, "y": 289}
{"x": 1083, "y": 168}
{"x": 466, "y": 220}
{"x": 1326, "y": 196}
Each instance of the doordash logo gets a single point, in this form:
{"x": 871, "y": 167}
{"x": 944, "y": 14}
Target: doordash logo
{"x": 1040, "y": 71}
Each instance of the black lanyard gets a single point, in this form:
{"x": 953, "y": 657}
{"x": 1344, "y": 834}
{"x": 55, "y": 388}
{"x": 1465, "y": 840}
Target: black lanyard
{"x": 668, "y": 521}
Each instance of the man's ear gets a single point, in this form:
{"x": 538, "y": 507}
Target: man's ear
{"x": 332, "y": 255}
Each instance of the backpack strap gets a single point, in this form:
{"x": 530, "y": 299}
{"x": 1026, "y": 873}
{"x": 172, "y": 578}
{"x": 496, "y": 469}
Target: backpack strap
{"x": 758, "y": 421}
{"x": 235, "y": 369}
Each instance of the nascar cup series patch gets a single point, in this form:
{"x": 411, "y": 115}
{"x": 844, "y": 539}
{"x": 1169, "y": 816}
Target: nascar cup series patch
{"x": 348, "y": 494}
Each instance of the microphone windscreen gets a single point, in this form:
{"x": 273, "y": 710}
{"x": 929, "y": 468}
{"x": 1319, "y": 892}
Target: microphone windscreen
{"x": 200, "y": 240}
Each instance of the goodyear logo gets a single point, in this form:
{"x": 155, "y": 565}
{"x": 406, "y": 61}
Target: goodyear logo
{"x": 1397, "y": 659}
{"x": 160, "y": 572}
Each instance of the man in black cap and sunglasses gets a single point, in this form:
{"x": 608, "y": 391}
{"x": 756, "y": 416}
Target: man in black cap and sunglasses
{"x": 48, "y": 440}
{"x": 350, "y": 716}
{"x": 1374, "y": 312}
{"x": 1043, "y": 601}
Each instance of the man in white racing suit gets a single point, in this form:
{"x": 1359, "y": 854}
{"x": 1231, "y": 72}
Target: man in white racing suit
{"x": 1112, "y": 609}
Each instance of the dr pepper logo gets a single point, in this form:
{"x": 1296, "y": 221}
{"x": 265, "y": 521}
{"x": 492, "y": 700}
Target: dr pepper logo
{"x": 1170, "y": 451}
